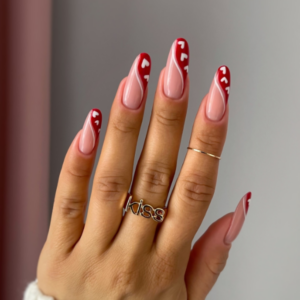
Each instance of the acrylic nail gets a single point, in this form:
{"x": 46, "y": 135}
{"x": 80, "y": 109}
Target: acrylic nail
{"x": 176, "y": 69}
{"x": 90, "y": 131}
{"x": 218, "y": 94}
{"x": 238, "y": 219}
{"x": 137, "y": 81}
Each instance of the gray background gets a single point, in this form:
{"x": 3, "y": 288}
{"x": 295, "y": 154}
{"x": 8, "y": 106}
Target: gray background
{"x": 94, "y": 44}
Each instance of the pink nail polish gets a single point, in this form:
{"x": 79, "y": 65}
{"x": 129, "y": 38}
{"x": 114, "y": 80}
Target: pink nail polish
{"x": 90, "y": 131}
{"x": 218, "y": 94}
{"x": 137, "y": 81}
{"x": 238, "y": 219}
{"x": 177, "y": 69}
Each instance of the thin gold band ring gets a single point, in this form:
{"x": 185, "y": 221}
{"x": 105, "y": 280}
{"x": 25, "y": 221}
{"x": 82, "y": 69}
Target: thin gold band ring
{"x": 200, "y": 151}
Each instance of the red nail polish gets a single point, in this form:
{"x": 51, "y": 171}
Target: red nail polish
{"x": 182, "y": 55}
{"x": 90, "y": 131}
{"x": 144, "y": 68}
{"x": 222, "y": 79}
{"x": 176, "y": 69}
{"x": 247, "y": 202}
{"x": 137, "y": 81}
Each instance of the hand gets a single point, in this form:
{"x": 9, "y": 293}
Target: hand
{"x": 112, "y": 256}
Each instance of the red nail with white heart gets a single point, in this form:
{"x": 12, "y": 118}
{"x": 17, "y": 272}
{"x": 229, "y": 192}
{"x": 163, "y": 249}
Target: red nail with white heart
{"x": 137, "y": 81}
{"x": 90, "y": 131}
{"x": 218, "y": 94}
{"x": 176, "y": 69}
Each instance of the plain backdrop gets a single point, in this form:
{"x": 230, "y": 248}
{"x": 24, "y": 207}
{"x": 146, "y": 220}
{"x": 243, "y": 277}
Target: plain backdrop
{"x": 93, "y": 46}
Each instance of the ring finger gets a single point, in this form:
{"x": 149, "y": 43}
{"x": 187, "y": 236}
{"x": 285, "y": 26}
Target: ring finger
{"x": 196, "y": 183}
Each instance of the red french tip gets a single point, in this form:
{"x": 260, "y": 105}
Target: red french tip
{"x": 144, "y": 68}
{"x": 224, "y": 79}
{"x": 247, "y": 200}
{"x": 96, "y": 120}
{"x": 182, "y": 54}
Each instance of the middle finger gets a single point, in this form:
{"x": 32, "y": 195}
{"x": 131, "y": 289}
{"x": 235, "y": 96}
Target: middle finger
{"x": 157, "y": 164}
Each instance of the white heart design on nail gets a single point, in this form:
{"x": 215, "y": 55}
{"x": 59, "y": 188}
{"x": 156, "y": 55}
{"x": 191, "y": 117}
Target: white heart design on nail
{"x": 182, "y": 43}
{"x": 97, "y": 122}
{"x": 186, "y": 68}
{"x": 95, "y": 114}
{"x": 227, "y": 89}
{"x": 224, "y": 79}
{"x": 147, "y": 77}
{"x": 145, "y": 63}
{"x": 183, "y": 56}
{"x": 223, "y": 69}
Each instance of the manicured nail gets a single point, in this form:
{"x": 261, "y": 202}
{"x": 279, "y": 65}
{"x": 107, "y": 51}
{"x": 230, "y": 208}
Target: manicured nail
{"x": 177, "y": 69}
{"x": 90, "y": 131}
{"x": 218, "y": 94}
{"x": 238, "y": 219}
{"x": 137, "y": 81}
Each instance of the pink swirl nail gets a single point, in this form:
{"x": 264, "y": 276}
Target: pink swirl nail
{"x": 177, "y": 69}
{"x": 90, "y": 131}
{"x": 137, "y": 81}
{"x": 238, "y": 219}
{"x": 218, "y": 94}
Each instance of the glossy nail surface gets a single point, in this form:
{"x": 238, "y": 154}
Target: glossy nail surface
{"x": 90, "y": 131}
{"x": 238, "y": 219}
{"x": 218, "y": 94}
{"x": 176, "y": 69}
{"x": 137, "y": 81}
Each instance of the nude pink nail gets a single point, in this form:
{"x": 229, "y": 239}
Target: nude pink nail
{"x": 137, "y": 81}
{"x": 90, "y": 131}
{"x": 177, "y": 69}
{"x": 238, "y": 219}
{"x": 218, "y": 94}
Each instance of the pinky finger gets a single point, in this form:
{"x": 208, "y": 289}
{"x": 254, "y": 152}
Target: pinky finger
{"x": 209, "y": 254}
{"x": 67, "y": 219}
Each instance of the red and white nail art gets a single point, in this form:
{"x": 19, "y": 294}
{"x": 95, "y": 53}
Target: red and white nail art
{"x": 246, "y": 203}
{"x": 143, "y": 68}
{"x": 96, "y": 121}
{"x": 90, "y": 131}
{"x": 180, "y": 55}
{"x": 222, "y": 81}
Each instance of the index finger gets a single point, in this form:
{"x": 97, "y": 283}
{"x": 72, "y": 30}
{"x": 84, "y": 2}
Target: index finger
{"x": 196, "y": 183}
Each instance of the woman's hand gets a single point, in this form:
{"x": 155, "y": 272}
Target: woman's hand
{"x": 112, "y": 256}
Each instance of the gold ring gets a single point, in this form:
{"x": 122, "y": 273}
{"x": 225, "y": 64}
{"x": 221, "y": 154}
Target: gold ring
{"x": 200, "y": 151}
{"x": 146, "y": 210}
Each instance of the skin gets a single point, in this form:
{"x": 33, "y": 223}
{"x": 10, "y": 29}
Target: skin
{"x": 115, "y": 257}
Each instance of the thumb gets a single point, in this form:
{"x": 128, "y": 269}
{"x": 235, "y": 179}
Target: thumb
{"x": 209, "y": 254}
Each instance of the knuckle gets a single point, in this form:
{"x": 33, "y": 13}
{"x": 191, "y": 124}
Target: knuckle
{"x": 164, "y": 268}
{"x": 125, "y": 280}
{"x": 168, "y": 118}
{"x": 124, "y": 126}
{"x": 196, "y": 190}
{"x": 216, "y": 266}
{"x": 72, "y": 207}
{"x": 111, "y": 187}
{"x": 211, "y": 139}
{"x": 78, "y": 170}
{"x": 156, "y": 178}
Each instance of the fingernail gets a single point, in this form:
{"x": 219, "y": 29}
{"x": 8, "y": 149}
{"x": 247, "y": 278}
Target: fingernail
{"x": 177, "y": 69}
{"x": 90, "y": 131}
{"x": 218, "y": 94}
{"x": 238, "y": 219}
{"x": 137, "y": 81}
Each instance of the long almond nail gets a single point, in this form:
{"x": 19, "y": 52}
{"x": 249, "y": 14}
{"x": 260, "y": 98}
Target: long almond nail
{"x": 90, "y": 131}
{"x": 218, "y": 94}
{"x": 137, "y": 81}
{"x": 238, "y": 219}
{"x": 177, "y": 69}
